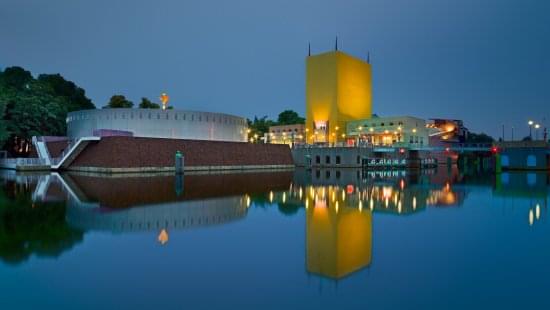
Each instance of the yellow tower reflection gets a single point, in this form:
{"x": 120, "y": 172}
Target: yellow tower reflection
{"x": 339, "y": 241}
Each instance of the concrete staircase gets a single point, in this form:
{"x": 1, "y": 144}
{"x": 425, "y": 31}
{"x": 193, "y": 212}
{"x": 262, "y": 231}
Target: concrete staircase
{"x": 72, "y": 151}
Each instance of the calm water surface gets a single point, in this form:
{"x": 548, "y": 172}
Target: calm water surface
{"x": 328, "y": 239}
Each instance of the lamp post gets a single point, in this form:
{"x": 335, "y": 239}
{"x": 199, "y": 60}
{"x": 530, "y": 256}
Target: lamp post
{"x": 537, "y": 126}
{"x": 530, "y": 123}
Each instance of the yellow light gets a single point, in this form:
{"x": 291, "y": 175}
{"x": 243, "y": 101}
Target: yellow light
{"x": 163, "y": 237}
{"x": 271, "y": 196}
{"x": 399, "y": 206}
{"x": 307, "y": 203}
{"x": 537, "y": 126}
{"x": 247, "y": 201}
{"x": 537, "y": 211}
{"x": 531, "y": 217}
{"x": 371, "y": 204}
{"x": 371, "y": 129}
{"x": 300, "y": 193}
{"x": 248, "y": 130}
{"x": 530, "y": 123}
{"x": 360, "y": 128}
{"x": 399, "y": 128}
{"x": 307, "y": 129}
{"x": 336, "y": 128}
{"x": 414, "y": 203}
{"x": 360, "y": 206}
{"x": 336, "y": 207}
{"x": 414, "y": 130}
{"x": 284, "y": 197}
{"x": 343, "y": 195}
{"x": 386, "y": 131}
{"x": 343, "y": 135}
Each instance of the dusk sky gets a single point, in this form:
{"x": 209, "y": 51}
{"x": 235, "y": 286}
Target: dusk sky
{"x": 486, "y": 62}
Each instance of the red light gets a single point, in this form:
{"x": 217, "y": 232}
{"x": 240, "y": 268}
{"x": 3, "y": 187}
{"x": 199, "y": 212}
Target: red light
{"x": 494, "y": 149}
{"x": 447, "y": 149}
{"x": 349, "y": 189}
{"x": 401, "y": 151}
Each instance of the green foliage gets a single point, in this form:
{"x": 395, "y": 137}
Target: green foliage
{"x": 76, "y": 96}
{"x": 289, "y": 117}
{"x": 260, "y": 126}
{"x": 28, "y": 228}
{"x": 479, "y": 138}
{"x": 147, "y": 104}
{"x": 31, "y": 107}
{"x": 118, "y": 101}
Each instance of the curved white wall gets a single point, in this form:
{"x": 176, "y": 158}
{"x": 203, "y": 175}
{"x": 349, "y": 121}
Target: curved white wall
{"x": 154, "y": 123}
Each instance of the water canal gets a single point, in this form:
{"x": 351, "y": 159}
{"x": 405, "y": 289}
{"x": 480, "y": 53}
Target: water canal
{"x": 321, "y": 239}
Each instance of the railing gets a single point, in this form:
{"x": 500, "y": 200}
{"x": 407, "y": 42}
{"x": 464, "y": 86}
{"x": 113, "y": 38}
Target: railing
{"x": 70, "y": 144}
{"x": 23, "y": 161}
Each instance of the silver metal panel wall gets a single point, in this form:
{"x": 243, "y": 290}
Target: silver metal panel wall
{"x": 153, "y": 123}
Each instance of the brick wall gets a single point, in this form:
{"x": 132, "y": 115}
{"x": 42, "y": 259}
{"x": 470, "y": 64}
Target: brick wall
{"x": 130, "y": 152}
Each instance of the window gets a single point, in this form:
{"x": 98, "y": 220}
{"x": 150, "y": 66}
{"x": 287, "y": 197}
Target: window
{"x": 531, "y": 161}
{"x": 382, "y": 124}
{"x": 391, "y": 123}
{"x": 338, "y": 174}
{"x": 337, "y": 159}
{"x": 317, "y": 174}
{"x": 327, "y": 159}
{"x": 327, "y": 174}
{"x": 358, "y": 160}
{"x": 317, "y": 159}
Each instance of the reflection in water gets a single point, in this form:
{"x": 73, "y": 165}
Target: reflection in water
{"x": 46, "y": 215}
{"x": 338, "y": 238}
{"x": 32, "y": 228}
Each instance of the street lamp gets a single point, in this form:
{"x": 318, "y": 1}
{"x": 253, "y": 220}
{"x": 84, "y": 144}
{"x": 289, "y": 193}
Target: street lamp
{"x": 537, "y": 126}
{"x": 530, "y": 123}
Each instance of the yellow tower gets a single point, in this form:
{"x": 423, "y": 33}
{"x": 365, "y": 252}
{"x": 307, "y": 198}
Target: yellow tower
{"x": 338, "y": 90}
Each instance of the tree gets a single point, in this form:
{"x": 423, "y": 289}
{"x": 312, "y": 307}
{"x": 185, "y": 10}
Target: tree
{"x": 16, "y": 77}
{"x": 479, "y": 138}
{"x": 76, "y": 96}
{"x": 118, "y": 101}
{"x": 289, "y": 117}
{"x": 259, "y": 126}
{"x": 28, "y": 107}
{"x": 147, "y": 104}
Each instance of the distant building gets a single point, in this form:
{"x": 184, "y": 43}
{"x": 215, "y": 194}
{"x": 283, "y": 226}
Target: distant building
{"x": 406, "y": 131}
{"x": 286, "y": 134}
{"x": 447, "y": 131}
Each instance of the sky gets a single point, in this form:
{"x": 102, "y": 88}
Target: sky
{"x": 483, "y": 61}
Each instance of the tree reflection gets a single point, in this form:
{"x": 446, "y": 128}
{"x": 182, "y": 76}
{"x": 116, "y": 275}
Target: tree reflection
{"x": 28, "y": 228}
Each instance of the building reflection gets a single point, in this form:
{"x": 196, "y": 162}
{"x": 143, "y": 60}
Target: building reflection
{"x": 164, "y": 203}
{"x": 338, "y": 237}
